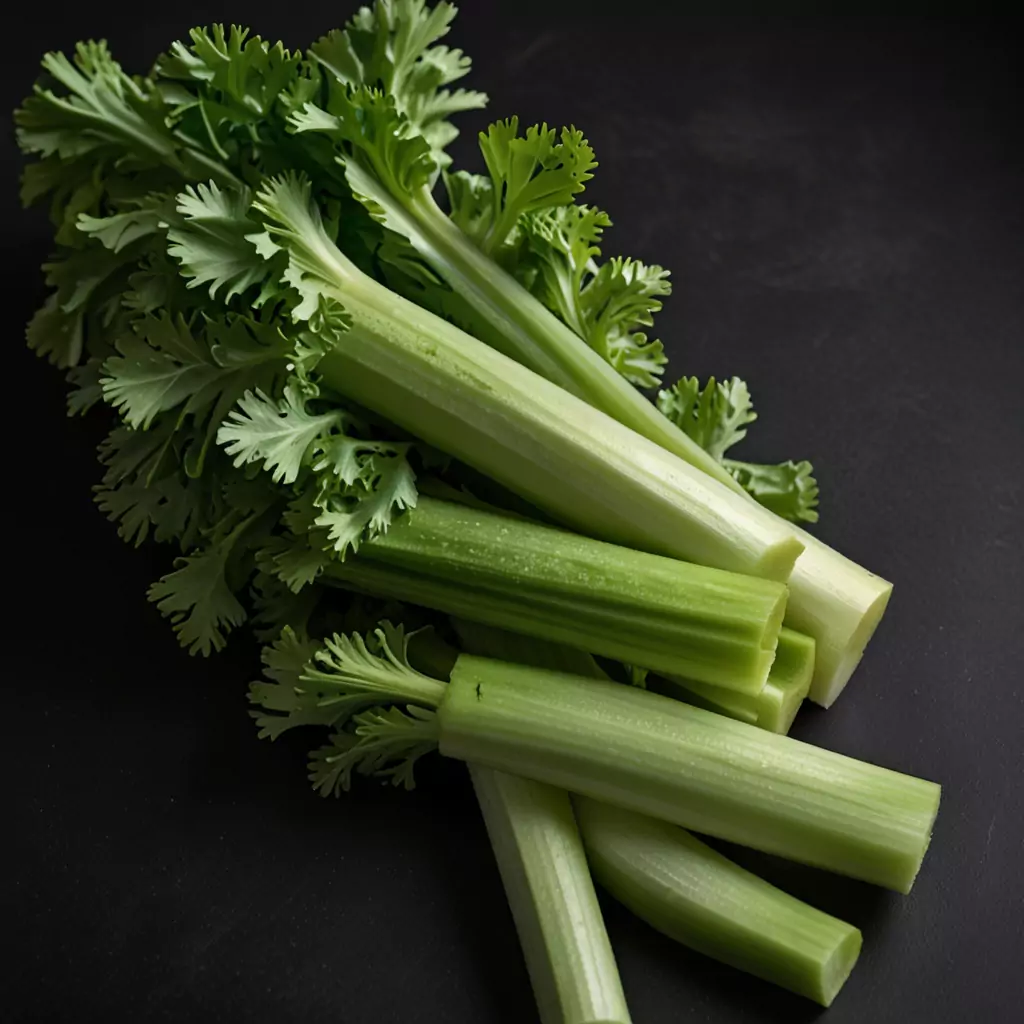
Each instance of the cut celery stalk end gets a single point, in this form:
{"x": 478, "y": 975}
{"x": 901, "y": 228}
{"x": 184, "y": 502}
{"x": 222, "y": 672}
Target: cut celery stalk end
{"x": 698, "y": 897}
{"x": 575, "y": 462}
{"x": 691, "y": 767}
{"x": 838, "y": 603}
{"x": 542, "y": 581}
{"x": 775, "y": 707}
{"x": 547, "y": 881}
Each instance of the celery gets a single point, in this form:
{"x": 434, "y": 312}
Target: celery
{"x": 775, "y": 707}
{"x": 548, "y": 885}
{"x": 700, "y": 898}
{"x": 691, "y": 767}
{"x": 615, "y": 743}
{"x": 540, "y": 442}
{"x": 667, "y": 615}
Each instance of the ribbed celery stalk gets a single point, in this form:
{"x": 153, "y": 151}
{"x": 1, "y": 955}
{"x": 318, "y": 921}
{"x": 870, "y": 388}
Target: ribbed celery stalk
{"x": 775, "y": 707}
{"x": 695, "y": 895}
{"x": 689, "y": 766}
{"x": 547, "y": 881}
{"x": 446, "y": 387}
{"x": 522, "y": 328}
{"x": 667, "y": 615}
{"x": 832, "y": 598}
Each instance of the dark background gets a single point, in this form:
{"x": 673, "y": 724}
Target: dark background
{"x": 841, "y": 203}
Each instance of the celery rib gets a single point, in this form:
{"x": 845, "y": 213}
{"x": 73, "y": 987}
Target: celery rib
{"x": 691, "y": 767}
{"x": 696, "y": 896}
{"x": 544, "y": 870}
{"x": 544, "y": 444}
{"x": 645, "y": 609}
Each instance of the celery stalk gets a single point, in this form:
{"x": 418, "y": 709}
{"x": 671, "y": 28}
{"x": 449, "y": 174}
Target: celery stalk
{"x": 689, "y": 766}
{"x": 695, "y": 895}
{"x": 671, "y": 616}
{"x": 544, "y": 871}
{"x": 775, "y": 707}
{"x": 537, "y": 440}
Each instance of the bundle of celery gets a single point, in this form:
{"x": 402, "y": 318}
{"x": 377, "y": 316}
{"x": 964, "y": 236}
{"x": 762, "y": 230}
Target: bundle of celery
{"x": 340, "y": 403}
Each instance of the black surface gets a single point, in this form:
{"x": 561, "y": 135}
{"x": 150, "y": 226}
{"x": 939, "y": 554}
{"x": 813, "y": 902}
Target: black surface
{"x": 842, "y": 205}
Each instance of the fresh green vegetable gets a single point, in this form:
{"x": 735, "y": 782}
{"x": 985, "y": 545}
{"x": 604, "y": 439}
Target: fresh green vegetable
{"x": 700, "y": 898}
{"x": 623, "y": 604}
{"x": 547, "y": 881}
{"x": 601, "y": 739}
{"x": 691, "y": 767}
{"x": 775, "y": 707}
{"x": 99, "y": 121}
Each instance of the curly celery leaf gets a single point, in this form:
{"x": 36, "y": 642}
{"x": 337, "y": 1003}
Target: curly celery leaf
{"x": 605, "y": 304}
{"x": 316, "y": 268}
{"x": 788, "y": 489}
{"x": 198, "y": 597}
{"x": 278, "y": 434}
{"x": 333, "y": 681}
{"x": 716, "y": 417}
{"x": 212, "y": 243}
{"x": 384, "y": 158}
{"x": 76, "y": 319}
{"x": 98, "y": 109}
{"x": 623, "y": 295}
{"x": 167, "y": 364}
{"x": 88, "y": 109}
{"x": 540, "y": 169}
{"x": 356, "y": 485}
{"x": 244, "y": 74}
{"x": 393, "y": 45}
{"x": 384, "y": 742}
{"x": 144, "y": 490}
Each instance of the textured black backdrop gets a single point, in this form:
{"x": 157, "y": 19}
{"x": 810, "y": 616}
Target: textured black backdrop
{"x": 842, "y": 205}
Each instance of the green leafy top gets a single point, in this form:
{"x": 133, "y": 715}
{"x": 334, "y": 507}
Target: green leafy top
{"x": 393, "y": 46}
{"x": 716, "y": 417}
{"x": 535, "y": 171}
{"x": 605, "y": 304}
{"x": 337, "y": 685}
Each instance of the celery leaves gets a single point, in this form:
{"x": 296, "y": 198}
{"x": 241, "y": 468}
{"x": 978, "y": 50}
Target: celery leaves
{"x": 716, "y": 417}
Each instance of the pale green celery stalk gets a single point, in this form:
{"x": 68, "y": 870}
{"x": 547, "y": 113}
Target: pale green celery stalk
{"x": 547, "y": 881}
{"x": 695, "y": 895}
{"x": 682, "y": 764}
{"x": 832, "y": 598}
{"x": 529, "y": 333}
{"x": 663, "y": 614}
{"x": 774, "y": 708}
{"x": 581, "y": 466}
